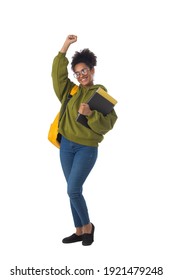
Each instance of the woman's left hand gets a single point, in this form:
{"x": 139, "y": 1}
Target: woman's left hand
{"x": 85, "y": 110}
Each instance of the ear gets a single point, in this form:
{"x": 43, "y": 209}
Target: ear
{"x": 93, "y": 71}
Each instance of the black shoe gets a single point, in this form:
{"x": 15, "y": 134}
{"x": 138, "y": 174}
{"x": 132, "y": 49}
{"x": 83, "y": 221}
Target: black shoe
{"x": 73, "y": 238}
{"x": 88, "y": 238}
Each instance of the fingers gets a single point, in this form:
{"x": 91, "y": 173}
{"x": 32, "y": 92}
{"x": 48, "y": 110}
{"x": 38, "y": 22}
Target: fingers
{"x": 84, "y": 109}
{"x": 83, "y": 106}
{"x": 69, "y": 40}
{"x": 72, "y": 38}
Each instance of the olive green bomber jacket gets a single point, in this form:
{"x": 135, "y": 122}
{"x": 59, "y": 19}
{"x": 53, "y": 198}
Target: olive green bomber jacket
{"x": 68, "y": 126}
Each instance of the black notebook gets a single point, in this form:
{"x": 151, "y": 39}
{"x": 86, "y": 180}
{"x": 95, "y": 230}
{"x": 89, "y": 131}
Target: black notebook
{"x": 100, "y": 101}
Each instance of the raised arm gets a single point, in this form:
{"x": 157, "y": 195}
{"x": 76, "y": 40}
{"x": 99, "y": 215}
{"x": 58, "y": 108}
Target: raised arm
{"x": 69, "y": 40}
{"x": 61, "y": 83}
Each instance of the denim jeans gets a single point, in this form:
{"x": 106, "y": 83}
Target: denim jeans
{"x": 77, "y": 161}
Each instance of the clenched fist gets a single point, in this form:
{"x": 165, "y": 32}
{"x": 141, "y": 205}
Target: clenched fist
{"x": 69, "y": 40}
{"x": 85, "y": 110}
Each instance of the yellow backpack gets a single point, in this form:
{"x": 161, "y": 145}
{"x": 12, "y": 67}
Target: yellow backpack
{"x": 53, "y": 130}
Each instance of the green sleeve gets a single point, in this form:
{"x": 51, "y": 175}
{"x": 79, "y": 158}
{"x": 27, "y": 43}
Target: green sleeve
{"x": 102, "y": 124}
{"x": 61, "y": 83}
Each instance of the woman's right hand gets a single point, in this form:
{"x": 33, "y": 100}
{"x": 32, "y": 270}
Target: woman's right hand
{"x": 69, "y": 40}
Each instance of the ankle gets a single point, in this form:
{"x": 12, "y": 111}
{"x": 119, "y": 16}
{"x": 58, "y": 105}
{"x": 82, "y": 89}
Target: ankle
{"x": 87, "y": 228}
{"x": 79, "y": 231}
{"x": 88, "y": 238}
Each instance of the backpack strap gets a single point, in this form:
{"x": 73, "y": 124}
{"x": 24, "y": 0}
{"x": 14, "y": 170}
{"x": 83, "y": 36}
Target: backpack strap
{"x": 69, "y": 96}
{"x": 74, "y": 90}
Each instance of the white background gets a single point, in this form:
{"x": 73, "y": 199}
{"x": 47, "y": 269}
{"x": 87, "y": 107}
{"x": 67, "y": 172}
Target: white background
{"x": 129, "y": 191}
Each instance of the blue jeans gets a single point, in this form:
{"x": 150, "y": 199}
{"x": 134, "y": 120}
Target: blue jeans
{"x": 77, "y": 161}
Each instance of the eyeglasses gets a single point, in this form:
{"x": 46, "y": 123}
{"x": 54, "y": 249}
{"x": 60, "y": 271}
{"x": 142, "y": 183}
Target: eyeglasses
{"x": 84, "y": 71}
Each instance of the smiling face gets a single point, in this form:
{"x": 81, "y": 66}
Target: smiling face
{"x": 84, "y": 74}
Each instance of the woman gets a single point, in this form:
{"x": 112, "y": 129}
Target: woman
{"x": 79, "y": 144}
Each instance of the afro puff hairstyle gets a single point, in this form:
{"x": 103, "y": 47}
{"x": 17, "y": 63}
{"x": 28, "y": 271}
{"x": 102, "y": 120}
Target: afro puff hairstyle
{"x": 84, "y": 56}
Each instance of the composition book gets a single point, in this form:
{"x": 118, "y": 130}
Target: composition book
{"x": 100, "y": 101}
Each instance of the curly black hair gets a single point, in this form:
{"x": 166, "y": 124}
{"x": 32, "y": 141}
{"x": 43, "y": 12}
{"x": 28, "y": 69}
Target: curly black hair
{"x": 84, "y": 56}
